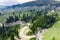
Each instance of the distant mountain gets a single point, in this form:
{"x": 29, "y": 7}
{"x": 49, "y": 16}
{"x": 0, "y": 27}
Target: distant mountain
{"x": 36, "y": 3}
{"x": 2, "y": 7}
{"x": 48, "y": 0}
{"x": 33, "y": 3}
{"x": 57, "y": 0}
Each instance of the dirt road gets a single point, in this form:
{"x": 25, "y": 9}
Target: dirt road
{"x": 23, "y": 36}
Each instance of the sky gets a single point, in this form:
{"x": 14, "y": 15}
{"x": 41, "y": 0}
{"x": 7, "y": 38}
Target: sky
{"x": 13, "y": 2}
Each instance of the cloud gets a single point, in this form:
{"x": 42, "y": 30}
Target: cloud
{"x": 22, "y": 1}
{"x": 12, "y": 2}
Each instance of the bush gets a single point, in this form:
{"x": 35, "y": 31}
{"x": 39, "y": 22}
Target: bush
{"x": 53, "y": 38}
{"x": 29, "y": 33}
{"x": 32, "y": 38}
{"x": 9, "y": 32}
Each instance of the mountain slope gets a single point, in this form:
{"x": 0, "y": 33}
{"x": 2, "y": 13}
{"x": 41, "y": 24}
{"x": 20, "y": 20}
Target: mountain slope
{"x": 2, "y": 7}
{"x": 35, "y": 3}
{"x": 48, "y": 0}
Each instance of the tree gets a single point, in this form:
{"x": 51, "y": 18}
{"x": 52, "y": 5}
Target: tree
{"x": 16, "y": 18}
{"x": 32, "y": 38}
{"x": 0, "y": 13}
{"x": 43, "y": 22}
{"x": 17, "y": 33}
{"x": 53, "y": 38}
{"x": 3, "y": 30}
{"x": 19, "y": 15}
{"x": 13, "y": 13}
{"x": 12, "y": 37}
{"x": 10, "y": 19}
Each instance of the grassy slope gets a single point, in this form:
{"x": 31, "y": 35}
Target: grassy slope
{"x": 54, "y": 31}
{"x": 3, "y": 17}
{"x": 58, "y": 12}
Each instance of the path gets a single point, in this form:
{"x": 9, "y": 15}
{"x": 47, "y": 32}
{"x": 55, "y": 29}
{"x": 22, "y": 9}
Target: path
{"x": 23, "y": 36}
{"x": 39, "y": 34}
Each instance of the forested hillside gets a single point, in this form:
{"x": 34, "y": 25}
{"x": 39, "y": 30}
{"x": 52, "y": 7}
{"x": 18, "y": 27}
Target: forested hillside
{"x": 22, "y": 21}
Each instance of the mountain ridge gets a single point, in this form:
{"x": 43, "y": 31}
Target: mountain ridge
{"x": 34, "y": 3}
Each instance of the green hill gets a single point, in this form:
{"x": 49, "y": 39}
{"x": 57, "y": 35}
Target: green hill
{"x": 54, "y": 31}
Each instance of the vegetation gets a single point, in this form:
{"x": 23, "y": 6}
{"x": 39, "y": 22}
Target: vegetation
{"x": 29, "y": 33}
{"x": 44, "y": 21}
{"x": 9, "y": 32}
{"x": 0, "y": 14}
{"x": 32, "y": 38}
{"x": 53, "y": 38}
{"x": 42, "y": 18}
{"x": 12, "y": 19}
{"x": 52, "y": 33}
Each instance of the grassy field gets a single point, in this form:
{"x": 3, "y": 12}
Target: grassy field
{"x": 2, "y": 18}
{"x": 54, "y": 31}
{"x": 6, "y": 15}
{"x": 58, "y": 12}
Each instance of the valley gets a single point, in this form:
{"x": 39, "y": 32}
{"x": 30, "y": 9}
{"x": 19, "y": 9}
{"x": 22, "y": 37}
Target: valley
{"x": 35, "y": 20}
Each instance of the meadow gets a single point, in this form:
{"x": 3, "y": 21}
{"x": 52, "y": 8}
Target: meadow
{"x": 53, "y": 32}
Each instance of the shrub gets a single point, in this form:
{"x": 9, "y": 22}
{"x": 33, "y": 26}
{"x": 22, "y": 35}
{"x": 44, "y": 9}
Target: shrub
{"x": 53, "y": 38}
{"x": 32, "y": 38}
{"x": 29, "y": 33}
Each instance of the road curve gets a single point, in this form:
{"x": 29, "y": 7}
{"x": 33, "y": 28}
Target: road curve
{"x": 22, "y": 35}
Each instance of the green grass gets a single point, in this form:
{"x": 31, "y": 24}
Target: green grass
{"x": 58, "y": 12}
{"x": 54, "y": 31}
{"x": 32, "y": 38}
{"x": 2, "y": 18}
{"x": 6, "y": 15}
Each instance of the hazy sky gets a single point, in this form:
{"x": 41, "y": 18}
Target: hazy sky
{"x": 12, "y": 2}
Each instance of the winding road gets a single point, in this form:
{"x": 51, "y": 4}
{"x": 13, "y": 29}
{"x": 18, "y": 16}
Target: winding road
{"x": 22, "y": 31}
{"x": 22, "y": 35}
{"x": 39, "y": 34}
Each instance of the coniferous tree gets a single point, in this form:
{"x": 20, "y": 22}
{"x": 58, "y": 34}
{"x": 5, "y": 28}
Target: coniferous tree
{"x": 12, "y": 37}
{"x": 13, "y": 13}
{"x": 0, "y": 13}
{"x": 16, "y": 18}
